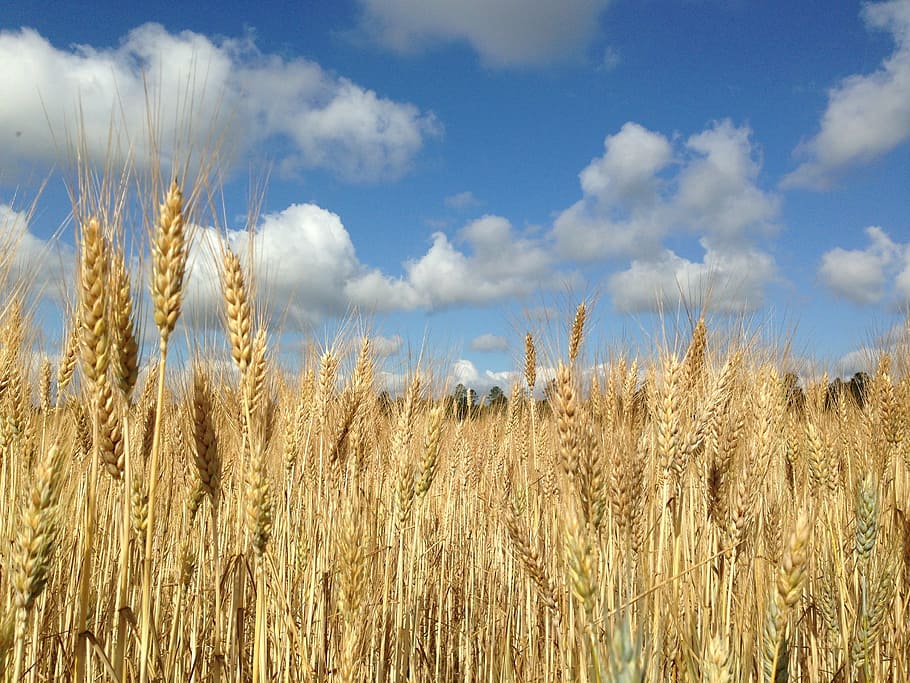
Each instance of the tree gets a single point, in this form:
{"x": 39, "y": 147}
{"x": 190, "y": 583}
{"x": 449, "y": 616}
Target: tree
{"x": 796, "y": 397}
{"x": 463, "y": 399}
{"x": 472, "y": 401}
{"x": 859, "y": 387}
{"x": 549, "y": 390}
{"x": 496, "y": 399}
{"x": 834, "y": 393}
{"x": 385, "y": 403}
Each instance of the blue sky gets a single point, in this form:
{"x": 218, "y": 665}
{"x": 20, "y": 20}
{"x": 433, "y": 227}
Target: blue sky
{"x": 455, "y": 167}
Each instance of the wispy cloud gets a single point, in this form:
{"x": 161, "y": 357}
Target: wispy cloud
{"x": 462, "y": 200}
{"x": 505, "y": 33}
{"x": 489, "y": 342}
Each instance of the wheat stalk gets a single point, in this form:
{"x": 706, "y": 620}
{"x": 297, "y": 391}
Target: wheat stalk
{"x": 169, "y": 254}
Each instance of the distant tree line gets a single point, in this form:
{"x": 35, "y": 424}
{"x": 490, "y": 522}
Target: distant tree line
{"x": 465, "y": 403}
{"x": 855, "y": 389}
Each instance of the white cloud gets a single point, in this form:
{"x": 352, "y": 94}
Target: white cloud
{"x": 292, "y": 108}
{"x": 857, "y": 360}
{"x": 902, "y": 282}
{"x": 867, "y": 115}
{"x": 466, "y": 373}
{"x": 462, "y": 200}
{"x": 620, "y": 212}
{"x": 504, "y": 33}
{"x": 585, "y": 232}
{"x": 612, "y": 58}
{"x": 627, "y": 169}
{"x": 383, "y": 347}
{"x": 631, "y": 202}
{"x": 717, "y": 192}
{"x": 489, "y": 342}
{"x": 727, "y": 280}
{"x": 303, "y": 259}
{"x": 498, "y": 263}
{"x": 307, "y": 269}
{"x": 642, "y": 192}
{"x": 862, "y": 275}
{"x": 43, "y": 266}
{"x": 864, "y": 358}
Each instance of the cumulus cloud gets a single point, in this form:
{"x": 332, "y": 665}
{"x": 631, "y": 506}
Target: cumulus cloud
{"x": 503, "y": 33}
{"x": 495, "y": 263}
{"x": 383, "y": 347}
{"x": 620, "y": 212}
{"x": 857, "y": 360}
{"x": 631, "y": 201}
{"x": 717, "y": 191}
{"x": 646, "y": 189}
{"x": 305, "y": 116}
{"x": 728, "y": 280}
{"x": 865, "y": 358}
{"x": 307, "y": 268}
{"x": 45, "y": 266}
{"x": 902, "y": 282}
{"x": 302, "y": 259}
{"x": 867, "y": 115}
{"x": 489, "y": 342}
{"x": 627, "y": 169}
{"x": 863, "y": 275}
{"x": 466, "y": 373}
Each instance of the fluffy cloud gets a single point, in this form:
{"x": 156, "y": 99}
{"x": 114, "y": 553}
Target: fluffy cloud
{"x": 857, "y": 360}
{"x": 307, "y": 117}
{"x": 302, "y": 259}
{"x": 466, "y": 373}
{"x": 620, "y": 212}
{"x": 865, "y": 358}
{"x": 629, "y": 204}
{"x": 902, "y": 282}
{"x": 489, "y": 342}
{"x": 497, "y": 263}
{"x": 504, "y": 33}
{"x": 627, "y": 169}
{"x": 862, "y": 275}
{"x": 726, "y": 280}
{"x": 383, "y": 347}
{"x": 307, "y": 269}
{"x": 867, "y": 115}
{"x": 642, "y": 192}
{"x": 44, "y": 266}
{"x": 717, "y": 190}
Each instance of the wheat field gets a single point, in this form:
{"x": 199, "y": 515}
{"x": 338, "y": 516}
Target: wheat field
{"x": 692, "y": 515}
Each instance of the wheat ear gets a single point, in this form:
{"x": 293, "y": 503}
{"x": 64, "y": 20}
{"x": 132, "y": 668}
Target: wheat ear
{"x": 125, "y": 359}
{"x": 239, "y": 316}
{"x": 790, "y": 582}
{"x": 35, "y": 543}
{"x": 577, "y": 332}
{"x": 169, "y": 254}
